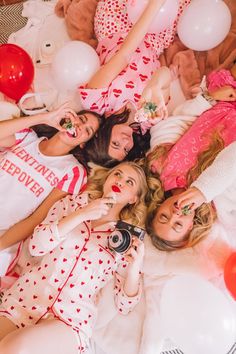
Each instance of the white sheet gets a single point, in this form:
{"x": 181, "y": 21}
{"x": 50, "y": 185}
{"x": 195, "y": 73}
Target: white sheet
{"x": 141, "y": 332}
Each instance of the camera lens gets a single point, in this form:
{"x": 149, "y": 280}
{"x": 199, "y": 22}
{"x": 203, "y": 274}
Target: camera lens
{"x": 120, "y": 240}
{"x": 115, "y": 239}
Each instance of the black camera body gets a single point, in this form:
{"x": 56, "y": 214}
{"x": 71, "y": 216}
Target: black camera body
{"x": 120, "y": 239}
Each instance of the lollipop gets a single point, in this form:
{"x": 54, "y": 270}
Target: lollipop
{"x": 150, "y": 107}
{"x": 67, "y": 124}
{"x": 145, "y": 113}
{"x": 186, "y": 210}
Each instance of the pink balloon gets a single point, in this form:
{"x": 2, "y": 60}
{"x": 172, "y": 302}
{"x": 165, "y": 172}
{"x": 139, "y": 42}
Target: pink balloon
{"x": 164, "y": 18}
{"x": 204, "y": 24}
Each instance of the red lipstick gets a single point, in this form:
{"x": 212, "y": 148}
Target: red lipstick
{"x": 115, "y": 189}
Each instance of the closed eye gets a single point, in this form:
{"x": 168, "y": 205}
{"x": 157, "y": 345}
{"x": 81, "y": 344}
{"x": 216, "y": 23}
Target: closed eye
{"x": 163, "y": 218}
{"x": 89, "y": 132}
{"x": 83, "y": 118}
{"x": 178, "y": 226}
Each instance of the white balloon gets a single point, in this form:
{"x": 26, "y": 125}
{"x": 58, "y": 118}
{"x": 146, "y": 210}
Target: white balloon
{"x": 204, "y": 24}
{"x": 74, "y": 65}
{"x": 163, "y": 19}
{"x": 197, "y": 316}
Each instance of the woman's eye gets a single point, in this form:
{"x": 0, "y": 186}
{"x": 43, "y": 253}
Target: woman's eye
{"x": 131, "y": 183}
{"x": 178, "y": 224}
{"x": 115, "y": 143}
{"x": 117, "y": 173}
{"x": 126, "y": 151}
{"x": 82, "y": 119}
{"x": 163, "y": 217}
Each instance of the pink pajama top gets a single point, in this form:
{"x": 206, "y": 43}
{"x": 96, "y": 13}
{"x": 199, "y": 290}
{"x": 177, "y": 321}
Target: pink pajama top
{"x": 72, "y": 270}
{"x": 111, "y": 27}
{"x": 183, "y": 156}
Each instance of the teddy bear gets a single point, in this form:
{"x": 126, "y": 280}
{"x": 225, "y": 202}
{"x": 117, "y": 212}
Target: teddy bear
{"x": 79, "y": 19}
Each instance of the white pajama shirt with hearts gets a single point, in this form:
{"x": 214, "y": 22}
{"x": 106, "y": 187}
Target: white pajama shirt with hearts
{"x": 72, "y": 270}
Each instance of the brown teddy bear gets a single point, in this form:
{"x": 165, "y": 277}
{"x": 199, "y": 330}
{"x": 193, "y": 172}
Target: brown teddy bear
{"x": 193, "y": 65}
{"x": 79, "y": 18}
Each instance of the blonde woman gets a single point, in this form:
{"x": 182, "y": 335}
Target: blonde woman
{"x": 178, "y": 165}
{"x": 56, "y": 300}
{"x": 175, "y": 220}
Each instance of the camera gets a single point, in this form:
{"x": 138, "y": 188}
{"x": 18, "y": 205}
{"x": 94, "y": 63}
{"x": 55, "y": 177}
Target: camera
{"x": 120, "y": 239}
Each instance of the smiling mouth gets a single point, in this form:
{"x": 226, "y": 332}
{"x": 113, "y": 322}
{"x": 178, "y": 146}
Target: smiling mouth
{"x": 72, "y": 133}
{"x": 70, "y": 128}
{"x": 115, "y": 189}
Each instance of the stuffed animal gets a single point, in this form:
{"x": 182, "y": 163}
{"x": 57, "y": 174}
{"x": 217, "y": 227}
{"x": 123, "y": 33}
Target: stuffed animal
{"x": 194, "y": 64}
{"x": 79, "y": 18}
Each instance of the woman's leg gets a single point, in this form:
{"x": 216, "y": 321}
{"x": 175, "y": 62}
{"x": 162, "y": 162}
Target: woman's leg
{"x": 49, "y": 336}
{"x": 6, "y": 327}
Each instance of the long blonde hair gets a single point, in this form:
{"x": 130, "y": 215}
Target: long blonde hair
{"x": 133, "y": 213}
{"x": 159, "y": 152}
{"x": 204, "y": 215}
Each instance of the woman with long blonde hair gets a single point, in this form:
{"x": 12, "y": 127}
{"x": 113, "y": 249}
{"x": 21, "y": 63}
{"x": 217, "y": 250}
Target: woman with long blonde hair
{"x": 56, "y": 299}
{"x": 181, "y": 217}
{"x": 175, "y": 221}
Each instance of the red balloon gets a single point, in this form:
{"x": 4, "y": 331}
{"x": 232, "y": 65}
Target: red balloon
{"x": 16, "y": 71}
{"x": 230, "y": 274}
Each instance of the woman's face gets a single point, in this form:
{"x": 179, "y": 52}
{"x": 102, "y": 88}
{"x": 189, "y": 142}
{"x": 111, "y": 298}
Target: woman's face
{"x": 122, "y": 183}
{"x": 85, "y": 126}
{"x": 121, "y": 141}
{"x": 169, "y": 223}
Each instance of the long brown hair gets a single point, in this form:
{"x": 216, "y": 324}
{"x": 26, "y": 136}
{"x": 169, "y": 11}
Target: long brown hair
{"x": 97, "y": 148}
{"x": 43, "y": 130}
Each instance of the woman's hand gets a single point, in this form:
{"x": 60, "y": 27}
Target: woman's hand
{"x": 192, "y": 197}
{"x": 94, "y": 210}
{"x": 154, "y": 94}
{"x": 97, "y": 208}
{"x": 54, "y": 118}
{"x": 134, "y": 255}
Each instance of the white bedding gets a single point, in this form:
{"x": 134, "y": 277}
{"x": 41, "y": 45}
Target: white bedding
{"x": 141, "y": 331}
